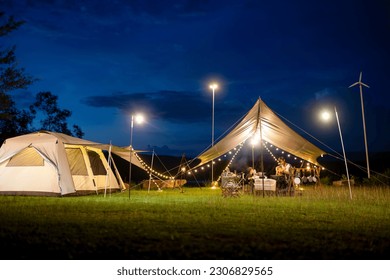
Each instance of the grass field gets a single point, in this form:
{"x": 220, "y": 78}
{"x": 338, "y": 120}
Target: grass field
{"x": 198, "y": 224}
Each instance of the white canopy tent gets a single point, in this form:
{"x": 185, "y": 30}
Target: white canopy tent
{"x": 48, "y": 163}
{"x": 262, "y": 122}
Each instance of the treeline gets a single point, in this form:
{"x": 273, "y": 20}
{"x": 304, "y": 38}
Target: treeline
{"x": 14, "y": 121}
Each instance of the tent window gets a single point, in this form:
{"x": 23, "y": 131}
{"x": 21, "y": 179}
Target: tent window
{"x": 76, "y": 161}
{"x": 27, "y": 157}
{"x": 96, "y": 163}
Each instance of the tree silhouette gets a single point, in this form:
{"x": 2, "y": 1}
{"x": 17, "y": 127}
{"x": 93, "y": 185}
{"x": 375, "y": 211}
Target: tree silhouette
{"x": 54, "y": 119}
{"x": 13, "y": 121}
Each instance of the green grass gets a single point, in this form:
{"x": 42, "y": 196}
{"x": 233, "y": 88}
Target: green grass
{"x": 198, "y": 224}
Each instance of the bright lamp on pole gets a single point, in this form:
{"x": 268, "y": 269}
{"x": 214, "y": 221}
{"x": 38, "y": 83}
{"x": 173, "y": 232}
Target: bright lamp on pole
{"x": 213, "y": 87}
{"x": 325, "y": 116}
{"x": 254, "y": 141}
{"x": 139, "y": 119}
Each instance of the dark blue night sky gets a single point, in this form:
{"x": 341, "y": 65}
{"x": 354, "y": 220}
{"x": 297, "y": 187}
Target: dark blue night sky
{"x": 106, "y": 59}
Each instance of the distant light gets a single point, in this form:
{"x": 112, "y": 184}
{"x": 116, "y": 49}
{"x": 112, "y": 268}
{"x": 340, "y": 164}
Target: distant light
{"x": 139, "y": 118}
{"x": 325, "y": 115}
{"x": 214, "y": 86}
{"x": 255, "y": 140}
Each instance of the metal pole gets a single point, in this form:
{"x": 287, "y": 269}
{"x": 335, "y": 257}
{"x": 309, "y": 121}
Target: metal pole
{"x": 345, "y": 158}
{"x": 131, "y": 150}
{"x": 212, "y": 141}
{"x": 253, "y": 156}
{"x": 108, "y": 172}
{"x": 364, "y": 130}
{"x": 151, "y": 169}
{"x": 261, "y": 151}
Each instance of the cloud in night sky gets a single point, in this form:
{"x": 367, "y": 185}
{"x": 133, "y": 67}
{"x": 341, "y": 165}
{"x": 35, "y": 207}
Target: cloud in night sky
{"x": 173, "y": 106}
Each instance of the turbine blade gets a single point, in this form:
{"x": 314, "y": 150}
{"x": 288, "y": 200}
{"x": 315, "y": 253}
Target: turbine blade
{"x": 355, "y": 84}
{"x": 364, "y": 85}
{"x": 360, "y": 77}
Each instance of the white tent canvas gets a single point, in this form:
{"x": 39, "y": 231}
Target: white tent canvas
{"x": 47, "y": 163}
{"x": 262, "y": 120}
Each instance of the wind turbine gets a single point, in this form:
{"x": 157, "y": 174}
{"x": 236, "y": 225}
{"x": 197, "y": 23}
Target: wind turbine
{"x": 361, "y": 84}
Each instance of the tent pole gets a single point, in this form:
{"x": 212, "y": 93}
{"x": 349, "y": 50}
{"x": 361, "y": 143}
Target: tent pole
{"x": 261, "y": 149}
{"x": 108, "y": 170}
{"x": 118, "y": 175}
{"x": 151, "y": 168}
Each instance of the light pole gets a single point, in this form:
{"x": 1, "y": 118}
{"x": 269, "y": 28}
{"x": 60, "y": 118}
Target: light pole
{"x": 213, "y": 86}
{"x": 138, "y": 119}
{"x": 326, "y": 116}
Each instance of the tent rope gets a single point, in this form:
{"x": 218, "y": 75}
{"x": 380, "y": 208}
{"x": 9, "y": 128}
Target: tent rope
{"x": 307, "y": 133}
{"x": 221, "y": 136}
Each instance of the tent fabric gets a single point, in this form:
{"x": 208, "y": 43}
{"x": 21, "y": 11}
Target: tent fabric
{"x": 27, "y": 157}
{"x": 55, "y": 164}
{"x": 262, "y": 121}
{"x": 76, "y": 161}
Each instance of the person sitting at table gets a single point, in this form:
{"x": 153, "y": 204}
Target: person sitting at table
{"x": 251, "y": 174}
{"x": 283, "y": 172}
{"x": 250, "y": 177}
{"x": 279, "y": 170}
{"x": 283, "y": 168}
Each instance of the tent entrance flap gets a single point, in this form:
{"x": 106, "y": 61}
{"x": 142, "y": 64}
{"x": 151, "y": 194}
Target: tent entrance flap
{"x": 96, "y": 163}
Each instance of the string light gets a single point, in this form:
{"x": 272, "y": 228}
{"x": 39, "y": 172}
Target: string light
{"x": 149, "y": 170}
{"x": 238, "y": 149}
{"x": 231, "y": 160}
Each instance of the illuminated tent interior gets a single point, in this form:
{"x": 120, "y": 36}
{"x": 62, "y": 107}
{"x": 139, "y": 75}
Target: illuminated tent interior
{"x": 262, "y": 123}
{"x": 54, "y": 164}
